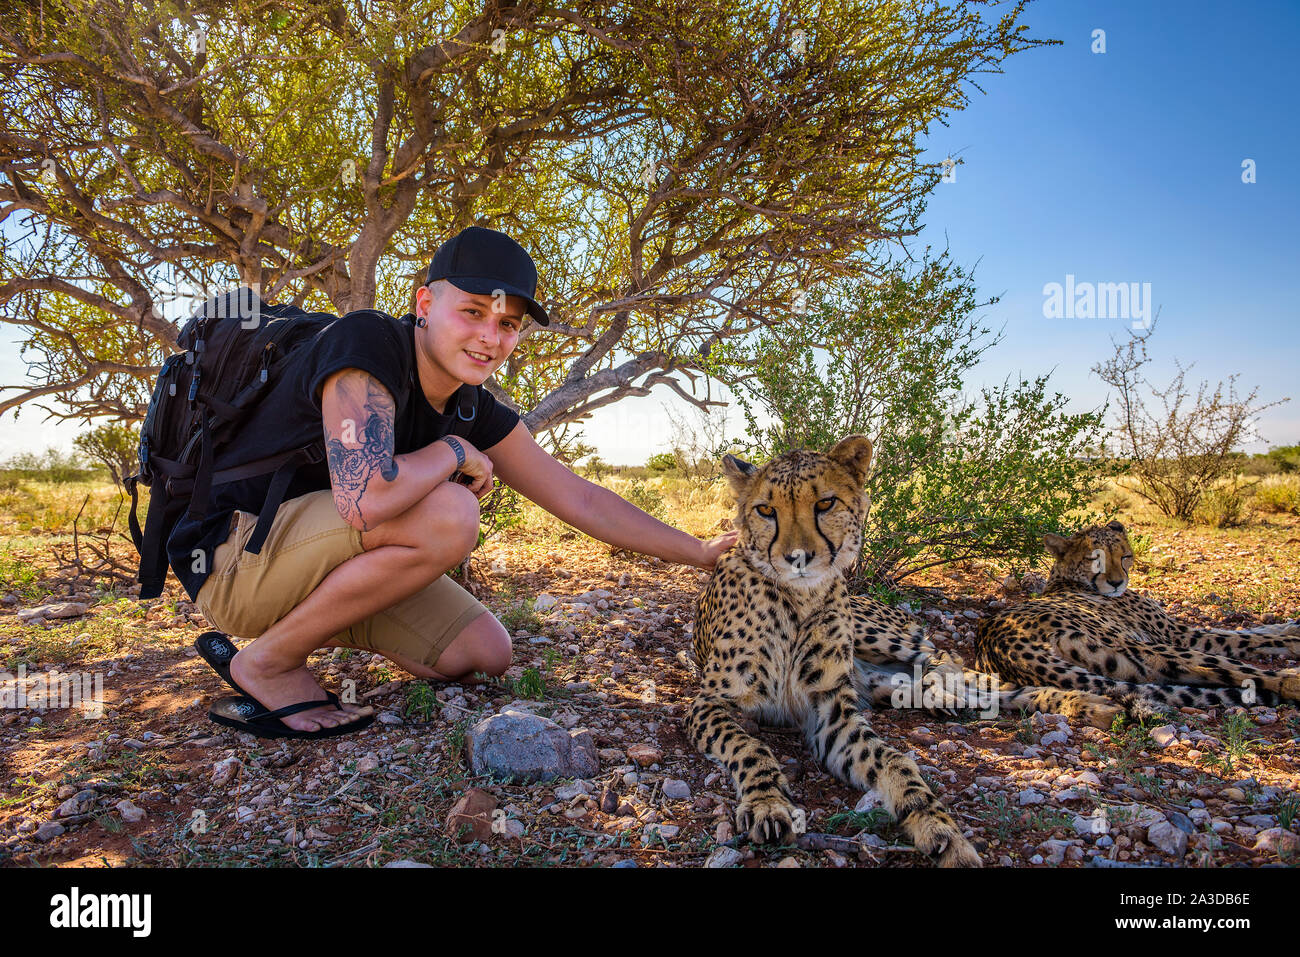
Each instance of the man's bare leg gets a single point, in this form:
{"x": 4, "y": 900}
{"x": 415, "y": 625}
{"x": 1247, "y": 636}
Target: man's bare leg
{"x": 482, "y": 645}
{"x": 401, "y": 556}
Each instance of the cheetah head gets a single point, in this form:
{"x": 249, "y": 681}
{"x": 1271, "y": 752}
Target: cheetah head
{"x": 800, "y": 515}
{"x": 1097, "y": 558}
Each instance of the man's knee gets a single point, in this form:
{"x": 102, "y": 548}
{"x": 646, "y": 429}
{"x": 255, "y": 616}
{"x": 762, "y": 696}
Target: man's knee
{"x": 493, "y": 650}
{"x": 442, "y": 528}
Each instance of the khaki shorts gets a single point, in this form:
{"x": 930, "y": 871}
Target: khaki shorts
{"x": 246, "y": 594}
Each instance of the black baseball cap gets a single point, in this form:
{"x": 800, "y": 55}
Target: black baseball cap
{"x": 481, "y": 261}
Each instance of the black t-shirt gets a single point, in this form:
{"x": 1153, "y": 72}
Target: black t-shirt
{"x": 373, "y": 342}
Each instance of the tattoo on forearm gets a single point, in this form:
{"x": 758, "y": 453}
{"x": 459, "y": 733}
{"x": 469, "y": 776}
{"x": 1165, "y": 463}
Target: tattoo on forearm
{"x": 356, "y": 454}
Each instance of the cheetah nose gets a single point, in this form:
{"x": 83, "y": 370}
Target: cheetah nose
{"x": 799, "y": 557}
{"x": 1115, "y": 582}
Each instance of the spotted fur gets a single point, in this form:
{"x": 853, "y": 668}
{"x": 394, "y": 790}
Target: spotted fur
{"x": 1088, "y": 632}
{"x": 776, "y": 633}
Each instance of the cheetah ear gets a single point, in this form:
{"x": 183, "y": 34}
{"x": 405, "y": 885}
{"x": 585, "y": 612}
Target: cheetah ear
{"x": 1115, "y": 526}
{"x": 738, "y": 472}
{"x": 1055, "y": 544}
{"x": 854, "y": 453}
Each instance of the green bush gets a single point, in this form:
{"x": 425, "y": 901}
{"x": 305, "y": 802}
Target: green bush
{"x": 1286, "y": 458}
{"x": 663, "y": 462}
{"x": 1223, "y": 506}
{"x": 1279, "y": 493}
{"x": 953, "y": 478}
{"x": 645, "y": 498}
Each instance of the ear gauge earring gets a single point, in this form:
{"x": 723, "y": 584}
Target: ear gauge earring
{"x": 420, "y": 321}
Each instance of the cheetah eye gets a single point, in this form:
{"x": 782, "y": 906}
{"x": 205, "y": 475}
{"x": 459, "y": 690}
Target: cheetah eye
{"x": 1126, "y": 561}
{"x": 767, "y": 511}
{"x": 825, "y": 505}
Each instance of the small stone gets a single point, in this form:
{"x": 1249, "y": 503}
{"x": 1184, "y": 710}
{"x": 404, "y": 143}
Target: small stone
{"x": 388, "y": 717}
{"x": 1278, "y": 841}
{"x": 869, "y": 801}
{"x": 244, "y": 814}
{"x": 470, "y": 818}
{"x": 367, "y": 764}
{"x": 608, "y": 801}
{"x": 1164, "y": 736}
{"x": 223, "y": 771}
{"x": 1030, "y": 796}
{"x": 1167, "y": 838}
{"x": 48, "y": 831}
{"x": 129, "y": 811}
{"x": 676, "y": 790}
{"x": 544, "y": 601}
{"x": 724, "y": 832}
{"x": 1181, "y": 821}
{"x": 61, "y": 609}
{"x": 1054, "y": 737}
{"x": 79, "y": 803}
{"x": 1234, "y": 794}
{"x": 789, "y": 862}
{"x": 406, "y": 863}
{"x": 567, "y": 792}
{"x": 644, "y": 754}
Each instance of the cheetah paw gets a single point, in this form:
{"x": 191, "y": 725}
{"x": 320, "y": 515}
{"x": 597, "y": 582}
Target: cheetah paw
{"x": 944, "y": 842}
{"x": 769, "y": 820}
{"x": 1094, "y": 710}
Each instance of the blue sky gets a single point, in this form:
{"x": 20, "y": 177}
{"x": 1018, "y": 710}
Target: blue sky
{"x": 1123, "y": 166}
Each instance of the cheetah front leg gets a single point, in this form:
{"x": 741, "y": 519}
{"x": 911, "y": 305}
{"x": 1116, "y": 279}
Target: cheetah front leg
{"x": 765, "y": 809}
{"x": 844, "y": 742}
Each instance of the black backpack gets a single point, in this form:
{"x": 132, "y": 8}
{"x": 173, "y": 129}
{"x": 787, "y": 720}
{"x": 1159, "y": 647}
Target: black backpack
{"x": 236, "y": 347}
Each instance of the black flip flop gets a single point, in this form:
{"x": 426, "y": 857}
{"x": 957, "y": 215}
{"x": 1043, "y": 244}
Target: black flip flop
{"x": 218, "y": 650}
{"x": 247, "y": 714}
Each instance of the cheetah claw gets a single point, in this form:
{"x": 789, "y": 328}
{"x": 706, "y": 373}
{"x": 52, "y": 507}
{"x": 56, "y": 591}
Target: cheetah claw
{"x": 769, "y": 820}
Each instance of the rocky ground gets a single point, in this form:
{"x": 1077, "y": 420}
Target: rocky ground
{"x": 601, "y": 679}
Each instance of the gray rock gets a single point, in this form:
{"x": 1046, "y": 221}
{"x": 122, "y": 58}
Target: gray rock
{"x": 223, "y": 771}
{"x": 1167, "y": 838}
{"x": 60, "y": 609}
{"x": 724, "y": 857}
{"x": 80, "y": 803}
{"x": 1164, "y": 736}
{"x": 1274, "y": 839}
{"x": 627, "y": 863}
{"x": 1054, "y": 737}
{"x": 130, "y": 811}
{"x": 1055, "y": 850}
{"x": 567, "y": 792}
{"x": 544, "y": 601}
{"x": 1181, "y": 821}
{"x": 1030, "y": 796}
{"x": 406, "y": 863}
{"x": 526, "y": 747}
{"x": 676, "y": 790}
{"x": 1259, "y": 820}
{"x": 48, "y": 831}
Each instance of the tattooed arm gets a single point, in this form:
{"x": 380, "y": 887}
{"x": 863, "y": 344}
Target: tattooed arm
{"x": 371, "y": 484}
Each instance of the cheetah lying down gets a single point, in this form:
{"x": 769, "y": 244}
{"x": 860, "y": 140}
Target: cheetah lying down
{"x": 1089, "y": 633}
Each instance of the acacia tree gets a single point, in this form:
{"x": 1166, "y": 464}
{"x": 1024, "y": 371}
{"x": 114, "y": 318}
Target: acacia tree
{"x": 1179, "y": 446}
{"x": 681, "y": 171}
